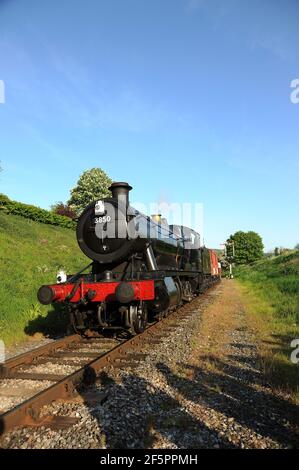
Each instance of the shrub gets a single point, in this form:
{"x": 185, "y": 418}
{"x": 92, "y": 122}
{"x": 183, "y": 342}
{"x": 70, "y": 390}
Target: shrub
{"x": 64, "y": 209}
{"x": 34, "y": 213}
{"x": 3, "y": 199}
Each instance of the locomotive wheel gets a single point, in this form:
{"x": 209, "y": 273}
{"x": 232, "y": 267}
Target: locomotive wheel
{"x": 138, "y": 319}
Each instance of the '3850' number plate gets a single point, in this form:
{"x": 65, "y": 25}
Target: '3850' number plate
{"x": 103, "y": 219}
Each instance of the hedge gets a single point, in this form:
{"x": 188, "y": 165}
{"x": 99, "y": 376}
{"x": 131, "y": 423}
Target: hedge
{"x": 34, "y": 213}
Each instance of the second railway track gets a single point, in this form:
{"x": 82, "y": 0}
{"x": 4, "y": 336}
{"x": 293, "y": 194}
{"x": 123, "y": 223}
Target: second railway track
{"x": 58, "y": 369}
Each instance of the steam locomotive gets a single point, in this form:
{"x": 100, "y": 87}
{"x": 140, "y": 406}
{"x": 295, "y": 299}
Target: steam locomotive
{"x": 141, "y": 269}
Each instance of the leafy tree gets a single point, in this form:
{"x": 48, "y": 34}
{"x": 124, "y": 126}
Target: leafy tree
{"x": 93, "y": 184}
{"x": 297, "y": 246}
{"x": 248, "y": 247}
{"x": 63, "y": 209}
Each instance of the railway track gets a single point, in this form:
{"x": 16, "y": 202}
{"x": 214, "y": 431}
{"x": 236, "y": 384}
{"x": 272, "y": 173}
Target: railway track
{"x": 58, "y": 369}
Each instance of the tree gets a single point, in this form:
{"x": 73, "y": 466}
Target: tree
{"x": 297, "y": 246}
{"x": 63, "y": 209}
{"x": 93, "y": 184}
{"x": 248, "y": 247}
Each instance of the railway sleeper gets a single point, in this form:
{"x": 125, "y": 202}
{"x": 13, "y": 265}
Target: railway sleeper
{"x": 55, "y": 422}
{"x": 34, "y": 376}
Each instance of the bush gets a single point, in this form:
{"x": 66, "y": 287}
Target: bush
{"x": 3, "y": 199}
{"x": 34, "y": 213}
{"x": 65, "y": 210}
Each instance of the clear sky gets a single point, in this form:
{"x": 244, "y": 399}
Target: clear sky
{"x": 187, "y": 100}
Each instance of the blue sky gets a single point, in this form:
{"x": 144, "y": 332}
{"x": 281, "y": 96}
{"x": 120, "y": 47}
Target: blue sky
{"x": 188, "y": 100}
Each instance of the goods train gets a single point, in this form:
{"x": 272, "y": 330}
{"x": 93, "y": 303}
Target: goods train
{"x": 141, "y": 269}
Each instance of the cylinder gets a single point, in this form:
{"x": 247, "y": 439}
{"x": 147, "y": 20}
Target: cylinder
{"x": 124, "y": 293}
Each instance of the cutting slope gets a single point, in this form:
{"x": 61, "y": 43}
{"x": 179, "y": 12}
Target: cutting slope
{"x": 31, "y": 253}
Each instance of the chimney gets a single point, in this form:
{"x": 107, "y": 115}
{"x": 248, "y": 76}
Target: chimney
{"x": 120, "y": 191}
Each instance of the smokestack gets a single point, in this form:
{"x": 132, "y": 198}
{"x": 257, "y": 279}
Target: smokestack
{"x": 121, "y": 191}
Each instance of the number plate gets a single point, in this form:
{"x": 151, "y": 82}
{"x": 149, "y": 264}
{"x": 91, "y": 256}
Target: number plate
{"x": 102, "y": 220}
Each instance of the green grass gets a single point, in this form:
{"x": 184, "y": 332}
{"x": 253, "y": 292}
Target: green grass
{"x": 31, "y": 253}
{"x": 277, "y": 281}
{"x": 272, "y": 290}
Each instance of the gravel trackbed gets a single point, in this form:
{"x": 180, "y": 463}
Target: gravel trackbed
{"x": 200, "y": 387}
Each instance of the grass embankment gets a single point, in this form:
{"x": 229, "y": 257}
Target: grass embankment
{"x": 271, "y": 293}
{"x": 31, "y": 253}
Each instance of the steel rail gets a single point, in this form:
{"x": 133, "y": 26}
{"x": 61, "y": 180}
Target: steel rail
{"x": 29, "y": 356}
{"x": 27, "y": 412}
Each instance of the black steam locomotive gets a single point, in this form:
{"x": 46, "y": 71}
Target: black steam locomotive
{"x": 141, "y": 267}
